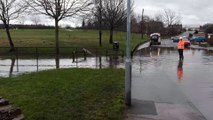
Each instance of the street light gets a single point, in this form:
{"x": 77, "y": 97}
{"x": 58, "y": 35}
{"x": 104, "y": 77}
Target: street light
{"x": 128, "y": 58}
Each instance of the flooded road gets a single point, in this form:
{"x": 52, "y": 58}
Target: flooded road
{"x": 159, "y": 76}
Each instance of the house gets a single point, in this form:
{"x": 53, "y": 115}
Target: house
{"x": 210, "y": 38}
{"x": 173, "y": 30}
{"x": 209, "y": 33}
{"x": 177, "y": 27}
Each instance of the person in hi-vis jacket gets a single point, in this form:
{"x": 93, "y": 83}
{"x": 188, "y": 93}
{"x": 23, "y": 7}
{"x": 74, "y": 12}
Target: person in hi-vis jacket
{"x": 181, "y": 48}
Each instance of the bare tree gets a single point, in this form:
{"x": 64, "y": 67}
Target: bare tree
{"x": 21, "y": 20}
{"x": 58, "y": 10}
{"x": 134, "y": 24}
{"x": 170, "y": 17}
{"x": 114, "y": 14}
{"x": 83, "y": 23}
{"x": 158, "y": 17}
{"x": 98, "y": 13}
{"x": 10, "y": 10}
{"x": 35, "y": 19}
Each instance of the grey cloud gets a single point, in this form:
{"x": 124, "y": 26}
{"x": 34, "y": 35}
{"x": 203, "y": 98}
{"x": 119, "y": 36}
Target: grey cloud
{"x": 192, "y": 11}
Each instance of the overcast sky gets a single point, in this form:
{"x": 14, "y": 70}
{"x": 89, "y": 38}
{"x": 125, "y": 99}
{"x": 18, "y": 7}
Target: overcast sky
{"x": 193, "y": 12}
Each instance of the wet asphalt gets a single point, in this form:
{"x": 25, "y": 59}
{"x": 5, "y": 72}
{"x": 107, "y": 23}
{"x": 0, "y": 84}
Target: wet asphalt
{"x": 184, "y": 87}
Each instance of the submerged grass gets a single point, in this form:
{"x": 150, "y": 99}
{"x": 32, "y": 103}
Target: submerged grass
{"x": 67, "y": 94}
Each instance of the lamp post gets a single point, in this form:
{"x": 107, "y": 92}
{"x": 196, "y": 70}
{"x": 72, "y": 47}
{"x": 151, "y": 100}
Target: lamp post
{"x": 128, "y": 58}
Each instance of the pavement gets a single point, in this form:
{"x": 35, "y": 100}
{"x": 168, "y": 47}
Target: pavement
{"x": 164, "y": 88}
{"x": 166, "y": 111}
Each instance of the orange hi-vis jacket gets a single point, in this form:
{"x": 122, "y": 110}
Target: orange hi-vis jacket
{"x": 181, "y": 44}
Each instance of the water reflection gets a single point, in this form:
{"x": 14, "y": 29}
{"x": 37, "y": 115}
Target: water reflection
{"x": 100, "y": 62}
{"x": 57, "y": 62}
{"x": 14, "y": 66}
{"x": 156, "y": 72}
{"x": 147, "y": 59}
{"x": 114, "y": 61}
{"x": 155, "y": 51}
{"x": 180, "y": 70}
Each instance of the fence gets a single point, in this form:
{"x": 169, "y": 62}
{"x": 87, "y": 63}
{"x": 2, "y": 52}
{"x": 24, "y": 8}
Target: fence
{"x": 35, "y": 54}
{"x": 49, "y": 52}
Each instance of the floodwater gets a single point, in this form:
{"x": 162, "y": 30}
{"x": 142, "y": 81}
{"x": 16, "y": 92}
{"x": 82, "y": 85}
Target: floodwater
{"x": 13, "y": 67}
{"x": 157, "y": 74}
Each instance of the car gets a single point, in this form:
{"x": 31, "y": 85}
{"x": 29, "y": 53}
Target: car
{"x": 187, "y": 43}
{"x": 175, "y": 39}
{"x": 199, "y": 39}
{"x": 155, "y": 39}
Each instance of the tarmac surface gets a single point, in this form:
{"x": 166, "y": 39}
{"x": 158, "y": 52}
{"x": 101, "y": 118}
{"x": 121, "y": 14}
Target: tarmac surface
{"x": 164, "y": 88}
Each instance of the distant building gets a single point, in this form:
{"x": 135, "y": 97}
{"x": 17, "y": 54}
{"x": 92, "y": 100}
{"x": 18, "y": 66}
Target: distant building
{"x": 177, "y": 27}
{"x": 208, "y": 28}
{"x": 210, "y": 38}
{"x": 192, "y": 27}
{"x": 173, "y": 30}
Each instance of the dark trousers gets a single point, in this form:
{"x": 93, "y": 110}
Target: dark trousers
{"x": 180, "y": 54}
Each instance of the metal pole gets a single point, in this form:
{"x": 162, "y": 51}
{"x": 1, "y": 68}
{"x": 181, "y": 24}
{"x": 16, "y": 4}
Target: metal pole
{"x": 142, "y": 25}
{"x": 128, "y": 58}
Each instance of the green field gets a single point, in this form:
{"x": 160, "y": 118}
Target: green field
{"x": 67, "y": 94}
{"x": 68, "y": 38}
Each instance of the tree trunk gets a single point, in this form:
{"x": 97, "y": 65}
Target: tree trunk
{"x": 100, "y": 36}
{"x": 111, "y": 36}
{"x": 56, "y": 37}
{"x": 100, "y": 29}
{"x": 57, "y": 43}
{"x": 12, "y": 48}
{"x": 100, "y": 23}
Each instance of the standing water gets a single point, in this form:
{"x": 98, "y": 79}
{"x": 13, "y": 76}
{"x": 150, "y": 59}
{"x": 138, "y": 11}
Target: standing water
{"x": 157, "y": 75}
{"x": 10, "y": 67}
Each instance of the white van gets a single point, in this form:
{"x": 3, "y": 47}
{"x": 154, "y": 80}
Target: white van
{"x": 155, "y": 39}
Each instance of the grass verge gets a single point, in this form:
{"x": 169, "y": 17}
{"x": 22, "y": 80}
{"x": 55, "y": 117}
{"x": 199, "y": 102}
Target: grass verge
{"x": 68, "y": 38}
{"x": 67, "y": 94}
